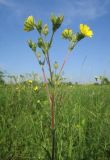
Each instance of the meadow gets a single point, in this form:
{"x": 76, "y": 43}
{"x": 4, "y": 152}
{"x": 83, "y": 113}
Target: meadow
{"x": 82, "y": 122}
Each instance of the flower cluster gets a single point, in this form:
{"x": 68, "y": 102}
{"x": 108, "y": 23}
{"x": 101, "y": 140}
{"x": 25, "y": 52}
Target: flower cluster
{"x": 44, "y": 45}
{"x": 55, "y": 78}
{"x": 85, "y": 31}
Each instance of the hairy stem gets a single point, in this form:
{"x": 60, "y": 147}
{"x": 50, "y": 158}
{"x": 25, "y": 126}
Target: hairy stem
{"x": 45, "y": 80}
{"x": 49, "y": 65}
{"x": 64, "y": 62}
{"x": 47, "y": 88}
{"x": 51, "y": 40}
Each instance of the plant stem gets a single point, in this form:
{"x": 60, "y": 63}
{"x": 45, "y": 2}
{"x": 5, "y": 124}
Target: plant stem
{"x": 48, "y": 58}
{"x": 45, "y": 80}
{"x": 51, "y": 40}
{"x": 64, "y": 62}
{"x": 49, "y": 65}
{"x": 53, "y": 144}
{"x": 51, "y": 100}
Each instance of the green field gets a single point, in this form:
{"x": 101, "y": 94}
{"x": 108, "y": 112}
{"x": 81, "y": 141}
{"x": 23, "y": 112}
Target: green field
{"x": 82, "y": 123}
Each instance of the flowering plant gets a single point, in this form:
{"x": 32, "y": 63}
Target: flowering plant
{"x": 43, "y": 56}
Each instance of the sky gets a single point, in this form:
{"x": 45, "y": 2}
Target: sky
{"x": 90, "y": 58}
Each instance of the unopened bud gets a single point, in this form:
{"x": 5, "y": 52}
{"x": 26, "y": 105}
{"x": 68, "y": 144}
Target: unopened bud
{"x": 29, "y": 24}
{"x": 45, "y": 29}
{"x": 67, "y": 34}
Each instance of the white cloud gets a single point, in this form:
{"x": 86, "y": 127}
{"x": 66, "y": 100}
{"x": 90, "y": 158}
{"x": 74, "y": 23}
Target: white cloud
{"x": 71, "y": 9}
{"x": 6, "y": 3}
{"x": 88, "y": 9}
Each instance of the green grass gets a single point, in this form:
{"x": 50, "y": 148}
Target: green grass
{"x": 82, "y": 122}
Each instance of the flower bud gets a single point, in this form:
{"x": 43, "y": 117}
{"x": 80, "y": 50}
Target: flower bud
{"x": 46, "y": 47}
{"x": 67, "y": 34}
{"x": 32, "y": 45}
{"x": 40, "y": 42}
{"x": 74, "y": 38}
{"x": 39, "y": 26}
{"x": 56, "y": 21}
{"x": 29, "y": 24}
{"x": 45, "y": 29}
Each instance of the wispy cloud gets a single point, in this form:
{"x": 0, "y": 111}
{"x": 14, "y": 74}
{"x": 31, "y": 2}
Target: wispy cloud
{"x": 6, "y": 3}
{"x": 88, "y": 9}
{"x": 71, "y": 9}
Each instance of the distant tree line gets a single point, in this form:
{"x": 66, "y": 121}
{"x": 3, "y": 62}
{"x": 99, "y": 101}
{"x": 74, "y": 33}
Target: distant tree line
{"x": 102, "y": 80}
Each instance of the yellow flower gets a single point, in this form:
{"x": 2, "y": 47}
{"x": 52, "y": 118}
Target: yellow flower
{"x": 36, "y": 88}
{"x": 29, "y": 24}
{"x": 85, "y": 30}
{"x": 30, "y": 81}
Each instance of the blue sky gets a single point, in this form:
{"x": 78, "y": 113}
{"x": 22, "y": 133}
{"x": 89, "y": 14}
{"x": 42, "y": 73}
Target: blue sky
{"x": 90, "y": 58}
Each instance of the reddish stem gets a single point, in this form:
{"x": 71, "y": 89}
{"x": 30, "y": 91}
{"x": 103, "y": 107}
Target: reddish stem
{"x": 64, "y": 62}
{"x": 45, "y": 80}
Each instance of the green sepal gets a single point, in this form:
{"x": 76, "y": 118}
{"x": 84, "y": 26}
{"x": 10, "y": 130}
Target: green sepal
{"x": 38, "y": 26}
{"x": 32, "y": 45}
{"x": 56, "y": 22}
{"x": 40, "y": 42}
{"x": 79, "y": 36}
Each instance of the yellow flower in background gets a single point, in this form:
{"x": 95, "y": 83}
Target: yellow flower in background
{"x": 38, "y": 101}
{"x": 36, "y": 88}
{"x": 30, "y": 81}
{"x": 17, "y": 88}
{"x": 85, "y": 30}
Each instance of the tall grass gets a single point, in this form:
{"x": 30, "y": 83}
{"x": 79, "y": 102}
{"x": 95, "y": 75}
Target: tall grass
{"x": 82, "y": 123}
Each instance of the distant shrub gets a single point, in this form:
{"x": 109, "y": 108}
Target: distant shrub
{"x": 102, "y": 80}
